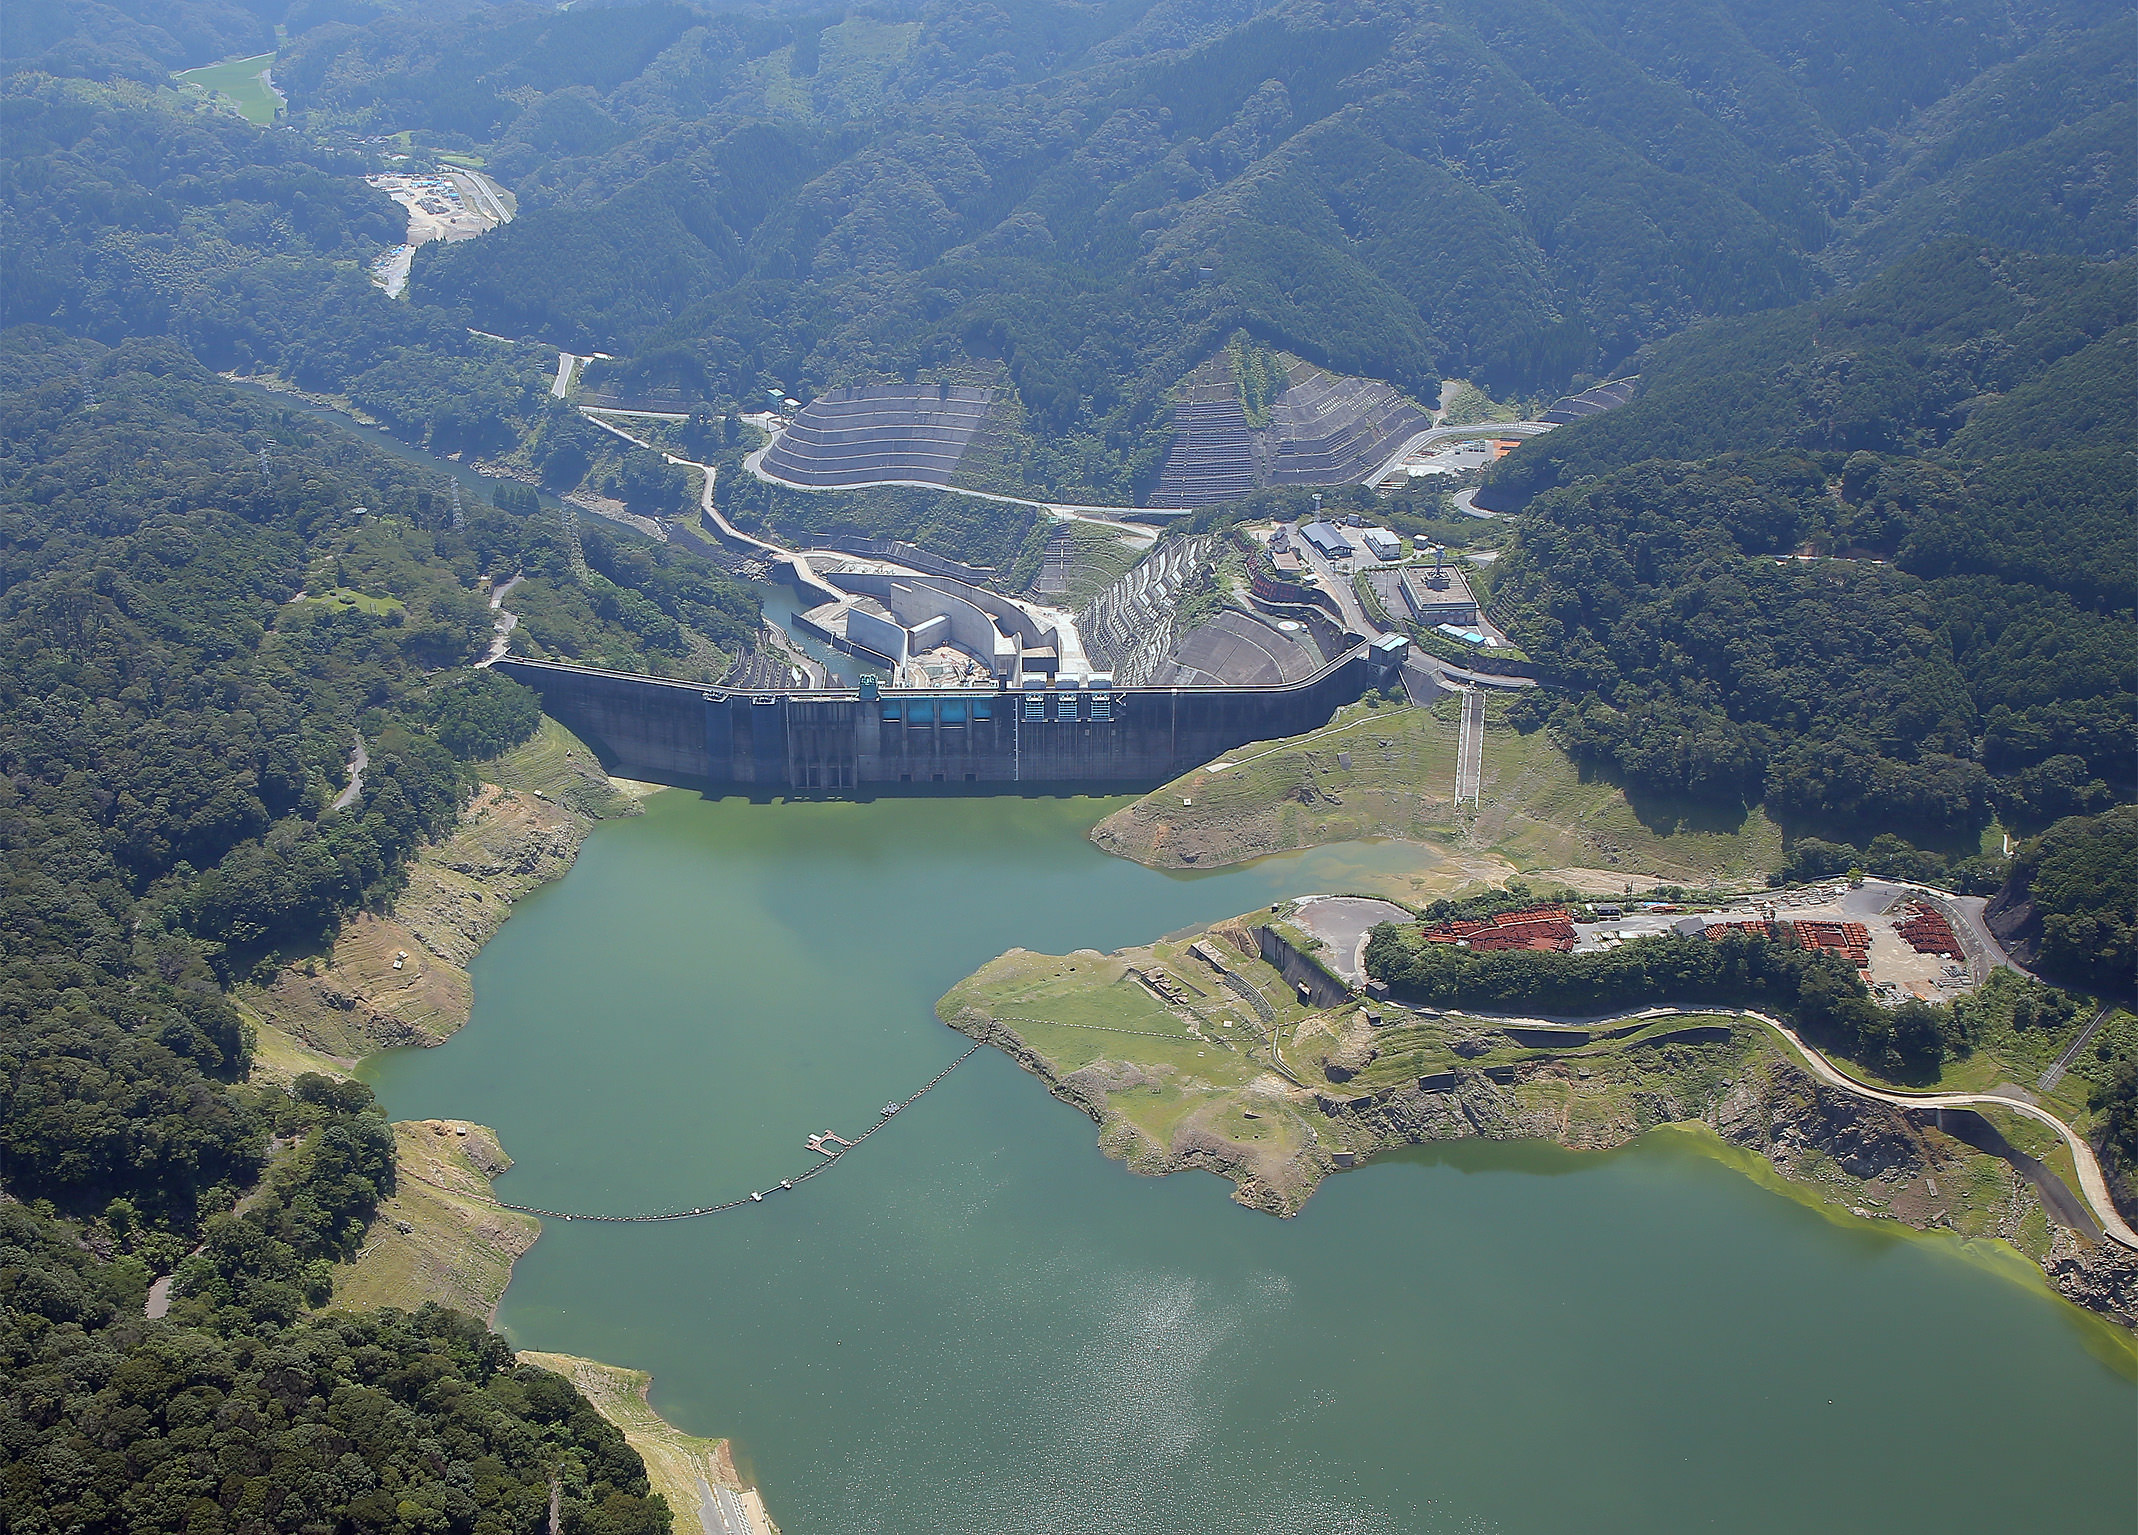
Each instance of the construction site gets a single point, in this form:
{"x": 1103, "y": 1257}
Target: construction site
{"x": 1905, "y": 942}
{"x": 449, "y": 205}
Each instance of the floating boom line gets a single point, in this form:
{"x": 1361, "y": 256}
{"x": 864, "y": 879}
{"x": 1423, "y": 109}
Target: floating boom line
{"x": 757, "y": 1197}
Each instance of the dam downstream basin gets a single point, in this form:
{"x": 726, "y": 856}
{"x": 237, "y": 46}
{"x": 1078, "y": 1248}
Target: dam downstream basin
{"x": 979, "y": 1324}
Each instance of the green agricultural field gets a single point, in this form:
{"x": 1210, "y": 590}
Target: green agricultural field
{"x": 1388, "y": 770}
{"x": 240, "y": 84}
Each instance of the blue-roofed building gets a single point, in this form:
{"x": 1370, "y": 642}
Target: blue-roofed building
{"x": 1328, "y": 539}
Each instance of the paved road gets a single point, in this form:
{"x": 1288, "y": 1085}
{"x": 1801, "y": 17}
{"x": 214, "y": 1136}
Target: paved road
{"x": 2092, "y": 1182}
{"x": 1062, "y": 509}
{"x": 1455, "y": 678}
{"x": 359, "y": 759}
{"x": 598, "y": 411}
{"x": 487, "y": 194}
{"x": 1427, "y": 438}
{"x": 561, "y": 385}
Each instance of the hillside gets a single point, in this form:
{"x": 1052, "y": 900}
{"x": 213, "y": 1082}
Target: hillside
{"x": 1870, "y": 560}
{"x": 1094, "y": 200}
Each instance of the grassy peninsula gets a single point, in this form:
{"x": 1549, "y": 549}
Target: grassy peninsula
{"x": 1384, "y": 769}
{"x": 1197, "y": 1052}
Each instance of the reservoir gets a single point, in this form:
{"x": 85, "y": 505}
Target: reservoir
{"x": 978, "y": 1324}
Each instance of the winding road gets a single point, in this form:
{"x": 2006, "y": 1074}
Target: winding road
{"x": 359, "y": 759}
{"x": 2093, "y": 1183}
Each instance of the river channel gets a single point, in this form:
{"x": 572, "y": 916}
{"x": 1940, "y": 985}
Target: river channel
{"x": 978, "y": 1324}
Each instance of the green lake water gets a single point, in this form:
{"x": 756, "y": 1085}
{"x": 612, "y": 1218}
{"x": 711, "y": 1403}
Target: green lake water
{"x": 978, "y": 1324}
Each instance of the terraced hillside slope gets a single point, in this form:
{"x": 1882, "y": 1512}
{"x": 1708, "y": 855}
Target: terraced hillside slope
{"x": 872, "y": 434}
{"x": 1321, "y": 428}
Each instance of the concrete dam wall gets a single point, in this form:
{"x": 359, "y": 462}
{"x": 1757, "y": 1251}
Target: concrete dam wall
{"x": 685, "y": 733}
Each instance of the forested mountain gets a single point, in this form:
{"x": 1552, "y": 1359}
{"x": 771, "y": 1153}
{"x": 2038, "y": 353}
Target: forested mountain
{"x": 1078, "y": 202}
{"x": 1086, "y": 201}
{"x": 204, "y": 601}
{"x": 1907, "y": 594}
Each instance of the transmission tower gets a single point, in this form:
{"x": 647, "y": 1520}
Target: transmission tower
{"x": 460, "y": 517}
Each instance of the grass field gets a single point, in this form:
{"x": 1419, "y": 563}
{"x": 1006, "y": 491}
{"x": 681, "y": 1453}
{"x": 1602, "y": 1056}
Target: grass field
{"x": 343, "y": 600}
{"x": 240, "y": 84}
{"x": 1101, "y": 556}
{"x": 440, "y": 1237}
{"x": 1183, "y": 1071}
{"x": 1388, "y": 770}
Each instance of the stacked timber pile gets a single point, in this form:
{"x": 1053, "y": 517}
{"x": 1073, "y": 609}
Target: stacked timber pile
{"x": 1850, "y": 938}
{"x": 1927, "y": 932}
{"x": 1536, "y": 927}
{"x": 1772, "y": 931}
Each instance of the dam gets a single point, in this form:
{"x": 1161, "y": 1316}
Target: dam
{"x": 1045, "y": 731}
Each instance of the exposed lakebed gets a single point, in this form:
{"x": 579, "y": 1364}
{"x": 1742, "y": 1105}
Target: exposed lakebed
{"x": 977, "y": 1323}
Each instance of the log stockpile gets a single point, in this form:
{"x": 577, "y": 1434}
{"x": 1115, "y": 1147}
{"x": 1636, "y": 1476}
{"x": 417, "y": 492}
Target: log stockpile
{"x": 1537, "y": 927}
{"x": 1927, "y": 932}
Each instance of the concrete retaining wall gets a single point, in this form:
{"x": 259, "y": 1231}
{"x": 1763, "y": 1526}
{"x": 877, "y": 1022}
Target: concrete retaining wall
{"x": 1300, "y": 969}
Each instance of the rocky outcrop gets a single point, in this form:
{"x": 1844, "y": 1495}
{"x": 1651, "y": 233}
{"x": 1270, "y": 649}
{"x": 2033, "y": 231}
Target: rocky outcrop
{"x": 1925, "y": 1168}
{"x": 1788, "y": 1116}
{"x": 2100, "y": 1276}
{"x": 2012, "y": 917}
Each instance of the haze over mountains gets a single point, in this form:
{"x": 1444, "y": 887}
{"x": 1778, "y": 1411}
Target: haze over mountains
{"x": 1090, "y": 199}
{"x": 1857, "y": 556}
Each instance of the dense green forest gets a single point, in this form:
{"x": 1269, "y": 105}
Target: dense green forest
{"x": 1085, "y": 201}
{"x": 1883, "y": 574}
{"x": 205, "y": 601}
{"x": 1075, "y": 203}
{"x": 2075, "y": 888}
{"x": 110, "y": 1423}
